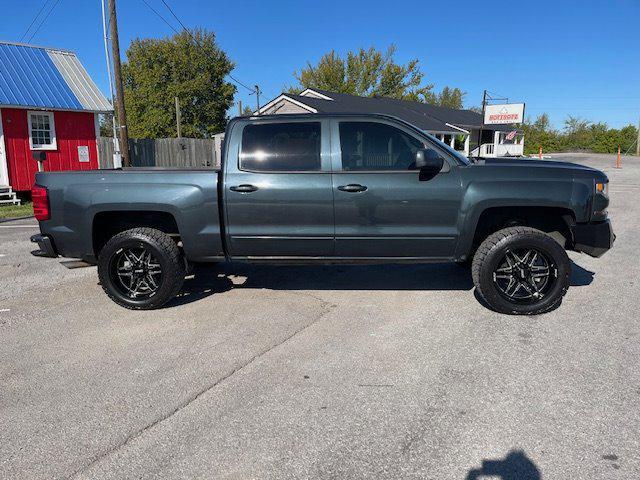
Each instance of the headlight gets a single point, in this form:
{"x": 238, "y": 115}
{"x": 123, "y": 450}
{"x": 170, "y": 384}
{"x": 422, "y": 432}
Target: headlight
{"x": 601, "y": 201}
{"x": 602, "y": 188}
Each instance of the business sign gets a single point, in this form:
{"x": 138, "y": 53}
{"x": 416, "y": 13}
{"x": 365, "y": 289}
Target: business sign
{"x": 505, "y": 113}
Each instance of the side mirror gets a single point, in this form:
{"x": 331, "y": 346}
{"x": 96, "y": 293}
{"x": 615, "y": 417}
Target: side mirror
{"x": 428, "y": 160}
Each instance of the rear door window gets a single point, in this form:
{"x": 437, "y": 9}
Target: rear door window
{"x": 281, "y": 147}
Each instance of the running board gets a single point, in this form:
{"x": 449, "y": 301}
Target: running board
{"x": 71, "y": 264}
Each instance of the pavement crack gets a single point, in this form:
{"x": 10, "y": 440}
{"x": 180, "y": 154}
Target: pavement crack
{"x": 325, "y": 308}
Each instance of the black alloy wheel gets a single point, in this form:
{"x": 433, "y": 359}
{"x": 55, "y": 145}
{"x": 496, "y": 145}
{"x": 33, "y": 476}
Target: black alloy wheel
{"x": 138, "y": 272}
{"x": 521, "y": 271}
{"x": 525, "y": 275}
{"x": 141, "y": 268}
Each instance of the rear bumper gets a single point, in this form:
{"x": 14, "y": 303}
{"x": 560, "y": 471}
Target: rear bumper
{"x": 594, "y": 239}
{"x": 45, "y": 246}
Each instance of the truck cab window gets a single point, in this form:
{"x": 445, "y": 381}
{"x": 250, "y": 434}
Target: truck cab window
{"x": 376, "y": 146}
{"x": 281, "y": 147}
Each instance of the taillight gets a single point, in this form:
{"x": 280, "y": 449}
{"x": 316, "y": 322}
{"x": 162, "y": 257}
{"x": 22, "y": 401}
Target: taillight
{"x": 40, "y": 198}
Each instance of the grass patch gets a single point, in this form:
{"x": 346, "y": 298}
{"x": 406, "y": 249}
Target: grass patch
{"x": 13, "y": 211}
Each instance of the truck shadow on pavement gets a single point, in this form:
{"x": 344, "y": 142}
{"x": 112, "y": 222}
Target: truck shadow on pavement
{"x": 515, "y": 466}
{"x": 209, "y": 280}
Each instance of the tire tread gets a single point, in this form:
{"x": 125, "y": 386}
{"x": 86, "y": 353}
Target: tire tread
{"x": 495, "y": 240}
{"x": 168, "y": 247}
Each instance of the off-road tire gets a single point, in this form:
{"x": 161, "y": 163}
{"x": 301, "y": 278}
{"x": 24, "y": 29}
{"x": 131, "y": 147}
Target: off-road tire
{"x": 165, "y": 251}
{"x": 492, "y": 251}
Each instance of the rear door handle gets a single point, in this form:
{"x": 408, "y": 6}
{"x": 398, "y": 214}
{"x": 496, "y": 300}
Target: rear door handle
{"x": 352, "y": 188}
{"x": 245, "y": 188}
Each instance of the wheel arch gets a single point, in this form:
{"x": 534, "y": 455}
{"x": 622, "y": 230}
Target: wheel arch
{"x": 549, "y": 195}
{"x": 106, "y": 224}
{"x": 555, "y": 220}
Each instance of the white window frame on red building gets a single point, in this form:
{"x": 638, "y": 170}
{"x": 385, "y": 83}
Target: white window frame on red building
{"x": 52, "y": 131}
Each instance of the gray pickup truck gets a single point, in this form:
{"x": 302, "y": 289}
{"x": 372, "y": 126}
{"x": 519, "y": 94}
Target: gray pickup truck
{"x": 330, "y": 189}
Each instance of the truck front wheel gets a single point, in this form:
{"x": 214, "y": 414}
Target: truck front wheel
{"x": 522, "y": 271}
{"x": 141, "y": 268}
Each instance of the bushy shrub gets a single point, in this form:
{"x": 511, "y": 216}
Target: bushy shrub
{"x": 577, "y": 135}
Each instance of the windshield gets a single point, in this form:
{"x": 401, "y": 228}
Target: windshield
{"x": 459, "y": 156}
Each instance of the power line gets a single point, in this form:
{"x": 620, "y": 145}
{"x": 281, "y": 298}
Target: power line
{"x": 174, "y": 15}
{"x": 34, "y": 20}
{"x": 160, "y": 16}
{"x": 198, "y": 43}
{"x": 234, "y": 79}
{"x": 44, "y": 19}
{"x": 252, "y": 90}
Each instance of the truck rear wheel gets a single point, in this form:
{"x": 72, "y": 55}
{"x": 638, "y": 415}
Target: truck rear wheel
{"x": 141, "y": 268}
{"x": 521, "y": 271}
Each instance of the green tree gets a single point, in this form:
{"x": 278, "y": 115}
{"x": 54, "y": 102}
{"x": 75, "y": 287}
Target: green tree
{"x": 539, "y": 134}
{"x": 448, "y": 97}
{"x": 627, "y": 136}
{"x": 106, "y": 125}
{"x": 373, "y": 73}
{"x": 542, "y": 123}
{"x": 575, "y": 124}
{"x": 188, "y": 65}
{"x": 578, "y": 134}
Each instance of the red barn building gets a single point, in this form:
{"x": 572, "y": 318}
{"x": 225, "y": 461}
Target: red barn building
{"x": 48, "y": 103}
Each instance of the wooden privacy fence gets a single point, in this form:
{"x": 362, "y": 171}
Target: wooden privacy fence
{"x": 165, "y": 152}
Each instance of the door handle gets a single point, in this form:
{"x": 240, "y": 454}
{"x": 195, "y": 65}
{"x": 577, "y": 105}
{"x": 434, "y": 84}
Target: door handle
{"x": 352, "y": 188}
{"x": 245, "y": 188}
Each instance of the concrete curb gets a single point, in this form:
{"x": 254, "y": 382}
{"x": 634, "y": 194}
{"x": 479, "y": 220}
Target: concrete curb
{"x": 4, "y": 220}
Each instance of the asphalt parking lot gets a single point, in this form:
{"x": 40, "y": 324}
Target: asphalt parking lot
{"x": 322, "y": 372}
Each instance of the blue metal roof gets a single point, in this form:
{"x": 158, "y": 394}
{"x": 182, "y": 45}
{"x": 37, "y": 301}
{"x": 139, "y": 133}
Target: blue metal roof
{"x": 45, "y": 78}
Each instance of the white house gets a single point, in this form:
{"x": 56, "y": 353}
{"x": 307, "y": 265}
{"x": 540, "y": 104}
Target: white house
{"x": 458, "y": 128}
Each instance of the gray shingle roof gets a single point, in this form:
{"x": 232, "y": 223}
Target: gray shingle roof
{"x": 351, "y": 104}
{"x": 427, "y": 117}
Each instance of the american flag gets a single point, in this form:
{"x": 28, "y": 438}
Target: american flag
{"x": 511, "y": 135}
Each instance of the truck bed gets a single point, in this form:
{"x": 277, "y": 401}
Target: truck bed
{"x": 82, "y": 201}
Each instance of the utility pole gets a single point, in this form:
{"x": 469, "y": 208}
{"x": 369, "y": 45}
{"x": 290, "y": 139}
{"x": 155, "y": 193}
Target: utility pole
{"x": 117, "y": 158}
{"x": 239, "y": 108}
{"x": 484, "y": 104}
{"x": 258, "y": 98}
{"x": 117, "y": 70}
{"x": 178, "y": 118}
{"x": 638, "y": 141}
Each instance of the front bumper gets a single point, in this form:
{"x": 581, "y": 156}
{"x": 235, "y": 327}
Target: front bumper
{"x": 594, "y": 239}
{"x": 45, "y": 245}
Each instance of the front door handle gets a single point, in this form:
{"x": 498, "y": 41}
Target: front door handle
{"x": 245, "y": 188}
{"x": 352, "y": 188}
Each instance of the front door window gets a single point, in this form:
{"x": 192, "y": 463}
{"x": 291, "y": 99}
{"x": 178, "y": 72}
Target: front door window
{"x": 370, "y": 146}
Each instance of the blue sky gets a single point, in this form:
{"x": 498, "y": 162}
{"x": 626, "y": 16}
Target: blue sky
{"x": 560, "y": 57}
